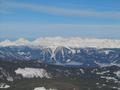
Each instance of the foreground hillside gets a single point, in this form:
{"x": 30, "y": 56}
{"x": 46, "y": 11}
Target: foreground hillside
{"x": 24, "y": 75}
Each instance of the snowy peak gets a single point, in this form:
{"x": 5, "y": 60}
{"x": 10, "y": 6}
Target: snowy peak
{"x": 22, "y": 41}
{"x": 6, "y": 43}
{"x": 19, "y": 42}
{"x": 54, "y": 42}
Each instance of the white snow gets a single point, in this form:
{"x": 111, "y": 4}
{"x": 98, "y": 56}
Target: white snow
{"x": 97, "y": 83}
{"x": 75, "y": 42}
{"x": 9, "y": 79}
{"x": 82, "y": 71}
{"x": 117, "y": 88}
{"x": 68, "y": 60}
{"x": 73, "y": 51}
{"x": 117, "y": 74}
{"x": 109, "y": 78}
{"x": 107, "y": 52}
{"x": 73, "y": 63}
{"x": 106, "y": 65}
{"x": 78, "y": 51}
{"x": 43, "y": 88}
{"x": 32, "y": 72}
{"x": 6, "y": 43}
{"x": 40, "y": 88}
{"x": 103, "y": 72}
{"x": 4, "y": 86}
{"x": 22, "y": 41}
{"x": 21, "y": 53}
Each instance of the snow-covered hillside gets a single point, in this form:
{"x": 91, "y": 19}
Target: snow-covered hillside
{"x": 53, "y": 42}
{"x": 117, "y": 74}
{"x": 32, "y": 72}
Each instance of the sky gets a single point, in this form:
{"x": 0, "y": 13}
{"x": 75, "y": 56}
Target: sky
{"x": 66, "y": 18}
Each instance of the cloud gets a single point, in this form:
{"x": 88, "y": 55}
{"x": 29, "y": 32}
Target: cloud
{"x": 64, "y": 11}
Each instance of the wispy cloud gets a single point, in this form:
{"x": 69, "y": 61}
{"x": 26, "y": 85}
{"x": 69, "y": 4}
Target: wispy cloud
{"x": 65, "y": 11}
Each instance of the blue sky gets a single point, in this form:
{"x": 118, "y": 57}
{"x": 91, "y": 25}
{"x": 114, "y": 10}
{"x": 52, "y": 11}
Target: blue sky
{"x": 67, "y": 18}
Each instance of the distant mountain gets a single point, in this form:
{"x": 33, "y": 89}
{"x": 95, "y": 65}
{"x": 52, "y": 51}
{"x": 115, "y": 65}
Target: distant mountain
{"x": 53, "y": 42}
{"x": 63, "y": 51}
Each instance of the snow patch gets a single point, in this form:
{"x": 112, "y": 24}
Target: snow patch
{"x": 73, "y": 63}
{"x": 117, "y": 74}
{"x": 43, "y": 88}
{"x": 21, "y": 53}
{"x": 107, "y": 52}
{"x": 82, "y": 71}
{"x": 32, "y": 72}
{"x": 106, "y": 65}
{"x": 4, "y": 86}
{"x": 103, "y": 72}
{"x": 109, "y": 78}
{"x": 68, "y": 60}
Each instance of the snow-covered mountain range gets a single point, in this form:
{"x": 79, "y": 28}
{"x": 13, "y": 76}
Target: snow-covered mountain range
{"x": 75, "y": 42}
{"x": 47, "y": 58}
{"x": 63, "y": 51}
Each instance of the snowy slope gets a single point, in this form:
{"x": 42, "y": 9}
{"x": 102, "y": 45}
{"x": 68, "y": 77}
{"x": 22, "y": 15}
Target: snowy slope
{"x": 4, "y": 86}
{"x": 32, "y": 72}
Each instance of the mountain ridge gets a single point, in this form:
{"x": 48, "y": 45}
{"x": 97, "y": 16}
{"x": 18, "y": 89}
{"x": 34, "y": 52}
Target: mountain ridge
{"x": 85, "y": 57}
